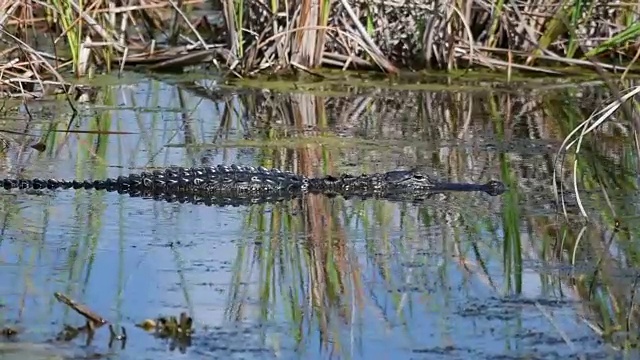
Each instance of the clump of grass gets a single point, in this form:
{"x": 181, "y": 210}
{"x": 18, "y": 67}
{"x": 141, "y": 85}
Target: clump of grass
{"x": 285, "y": 35}
{"x": 300, "y": 36}
{"x": 576, "y": 137}
{"x": 530, "y": 36}
{"x": 47, "y": 41}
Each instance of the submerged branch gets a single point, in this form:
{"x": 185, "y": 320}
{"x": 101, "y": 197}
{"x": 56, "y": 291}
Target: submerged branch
{"x": 81, "y": 309}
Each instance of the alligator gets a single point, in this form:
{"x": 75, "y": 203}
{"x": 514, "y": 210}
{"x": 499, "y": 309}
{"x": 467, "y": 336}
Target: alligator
{"x": 241, "y": 185}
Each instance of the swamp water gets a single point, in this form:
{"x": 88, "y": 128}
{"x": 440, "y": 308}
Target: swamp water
{"x": 460, "y": 276}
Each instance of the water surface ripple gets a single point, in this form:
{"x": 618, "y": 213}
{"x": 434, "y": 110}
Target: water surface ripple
{"x": 459, "y": 276}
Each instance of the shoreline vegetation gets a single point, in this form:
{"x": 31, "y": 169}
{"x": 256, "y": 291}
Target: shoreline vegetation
{"x": 47, "y": 43}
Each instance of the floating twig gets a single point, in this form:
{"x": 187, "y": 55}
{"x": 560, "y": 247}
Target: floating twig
{"x": 81, "y": 309}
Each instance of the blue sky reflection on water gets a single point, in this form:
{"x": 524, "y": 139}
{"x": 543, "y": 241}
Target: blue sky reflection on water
{"x": 210, "y": 236}
{"x": 136, "y": 274}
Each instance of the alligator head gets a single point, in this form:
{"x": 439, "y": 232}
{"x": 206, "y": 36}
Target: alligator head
{"x": 408, "y": 179}
{"x": 412, "y": 180}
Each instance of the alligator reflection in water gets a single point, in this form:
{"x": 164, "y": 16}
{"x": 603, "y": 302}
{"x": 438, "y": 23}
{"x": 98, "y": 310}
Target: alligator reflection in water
{"x": 241, "y": 185}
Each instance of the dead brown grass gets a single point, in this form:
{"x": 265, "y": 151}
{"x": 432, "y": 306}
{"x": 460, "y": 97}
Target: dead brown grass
{"x": 538, "y": 36}
{"x": 46, "y": 41}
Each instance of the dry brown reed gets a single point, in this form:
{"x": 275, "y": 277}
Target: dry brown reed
{"x": 45, "y": 40}
{"x": 526, "y": 35}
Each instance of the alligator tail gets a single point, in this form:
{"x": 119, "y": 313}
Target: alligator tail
{"x": 218, "y": 179}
